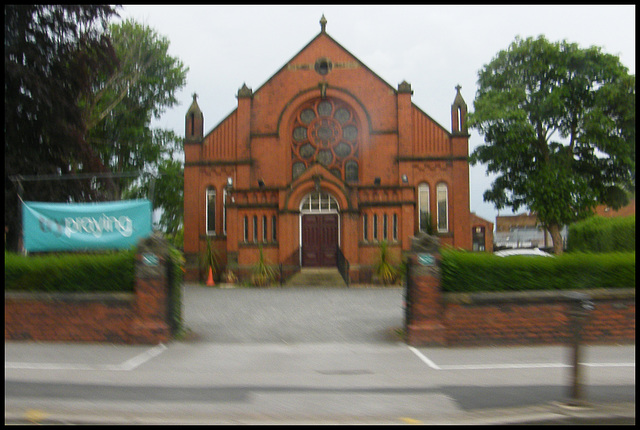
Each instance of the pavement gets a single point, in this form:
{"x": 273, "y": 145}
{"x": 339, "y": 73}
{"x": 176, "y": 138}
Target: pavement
{"x": 288, "y": 355}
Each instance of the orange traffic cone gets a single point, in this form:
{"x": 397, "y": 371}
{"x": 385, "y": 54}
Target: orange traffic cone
{"x": 210, "y": 282}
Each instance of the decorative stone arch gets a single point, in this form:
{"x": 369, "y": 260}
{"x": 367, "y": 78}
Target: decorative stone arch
{"x": 317, "y": 178}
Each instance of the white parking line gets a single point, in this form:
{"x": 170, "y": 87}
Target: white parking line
{"x": 429, "y": 363}
{"x": 128, "y": 365}
{"x": 435, "y": 366}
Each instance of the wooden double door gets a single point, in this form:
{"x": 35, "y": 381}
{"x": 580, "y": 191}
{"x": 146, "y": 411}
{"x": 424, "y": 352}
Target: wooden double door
{"x": 319, "y": 240}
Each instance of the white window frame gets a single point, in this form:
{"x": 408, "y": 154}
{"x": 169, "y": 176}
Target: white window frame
{"x": 423, "y": 187}
{"x": 442, "y": 191}
{"x": 210, "y": 191}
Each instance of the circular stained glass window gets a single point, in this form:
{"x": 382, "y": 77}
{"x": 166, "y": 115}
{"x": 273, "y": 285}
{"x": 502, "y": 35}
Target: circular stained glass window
{"x": 300, "y": 134}
{"x": 325, "y": 157}
{"x": 307, "y": 115}
{"x": 307, "y": 150}
{"x": 324, "y": 108}
{"x": 342, "y": 149}
{"x": 325, "y": 131}
{"x": 298, "y": 169}
{"x": 350, "y": 132}
{"x": 342, "y": 115}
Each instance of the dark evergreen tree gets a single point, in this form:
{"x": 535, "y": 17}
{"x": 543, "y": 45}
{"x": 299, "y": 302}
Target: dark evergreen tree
{"x": 52, "y": 56}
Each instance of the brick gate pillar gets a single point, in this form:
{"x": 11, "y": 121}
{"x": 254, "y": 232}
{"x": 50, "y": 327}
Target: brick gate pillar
{"x": 150, "y": 324}
{"x": 423, "y": 295}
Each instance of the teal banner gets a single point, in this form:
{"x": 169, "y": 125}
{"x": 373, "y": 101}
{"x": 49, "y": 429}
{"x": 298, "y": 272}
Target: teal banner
{"x": 84, "y": 226}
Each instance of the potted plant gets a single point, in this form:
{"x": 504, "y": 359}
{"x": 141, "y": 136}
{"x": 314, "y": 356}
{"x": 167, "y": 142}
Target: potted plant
{"x": 263, "y": 273}
{"x": 209, "y": 261}
{"x": 385, "y": 271}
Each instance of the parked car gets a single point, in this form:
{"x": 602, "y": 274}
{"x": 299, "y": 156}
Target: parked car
{"x": 522, "y": 251}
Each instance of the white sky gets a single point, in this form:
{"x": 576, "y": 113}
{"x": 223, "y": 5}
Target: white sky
{"x": 434, "y": 48}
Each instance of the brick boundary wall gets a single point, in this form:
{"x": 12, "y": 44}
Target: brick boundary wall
{"x": 434, "y": 318}
{"x": 133, "y": 318}
{"x": 536, "y": 317}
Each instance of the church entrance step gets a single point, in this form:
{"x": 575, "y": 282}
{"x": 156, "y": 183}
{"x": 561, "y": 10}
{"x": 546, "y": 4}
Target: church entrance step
{"x": 317, "y": 277}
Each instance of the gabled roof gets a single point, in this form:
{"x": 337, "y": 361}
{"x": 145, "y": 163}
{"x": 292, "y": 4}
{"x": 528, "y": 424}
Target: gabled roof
{"x": 323, "y": 33}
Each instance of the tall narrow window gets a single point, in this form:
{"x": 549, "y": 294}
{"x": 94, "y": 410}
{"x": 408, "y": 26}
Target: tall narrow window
{"x": 365, "y": 227}
{"x": 385, "y": 226}
{"x": 375, "y": 227}
{"x": 245, "y": 228}
{"x": 224, "y": 211}
{"x": 264, "y": 228}
{"x": 443, "y": 218}
{"x": 274, "y": 220}
{"x": 395, "y": 227}
{"x": 423, "y": 208}
{"x": 255, "y": 228}
{"x": 211, "y": 211}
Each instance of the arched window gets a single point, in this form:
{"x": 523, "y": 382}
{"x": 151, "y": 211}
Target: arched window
{"x": 274, "y": 221}
{"x": 255, "y": 228}
{"x": 423, "y": 208}
{"x": 443, "y": 207}
{"x": 319, "y": 202}
{"x": 264, "y": 228}
{"x": 211, "y": 210}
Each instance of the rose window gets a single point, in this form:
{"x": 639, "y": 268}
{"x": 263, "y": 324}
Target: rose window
{"x": 325, "y": 131}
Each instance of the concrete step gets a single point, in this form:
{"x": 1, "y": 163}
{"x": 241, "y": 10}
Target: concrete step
{"x": 317, "y": 277}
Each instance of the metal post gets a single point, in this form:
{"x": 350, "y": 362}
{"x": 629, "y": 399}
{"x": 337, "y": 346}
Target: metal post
{"x": 579, "y": 309}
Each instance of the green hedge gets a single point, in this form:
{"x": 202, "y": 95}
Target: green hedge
{"x": 601, "y": 234}
{"x": 109, "y": 272}
{"x": 177, "y": 275}
{"x": 475, "y": 272}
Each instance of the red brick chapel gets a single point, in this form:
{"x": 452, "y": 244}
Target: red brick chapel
{"x": 323, "y": 162}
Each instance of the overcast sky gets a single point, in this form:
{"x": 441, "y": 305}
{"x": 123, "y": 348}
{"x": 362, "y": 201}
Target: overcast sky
{"x": 434, "y": 48}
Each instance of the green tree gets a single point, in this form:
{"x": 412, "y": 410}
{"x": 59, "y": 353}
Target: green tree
{"x": 167, "y": 183}
{"x": 559, "y": 128}
{"x": 52, "y": 55}
{"x": 119, "y": 111}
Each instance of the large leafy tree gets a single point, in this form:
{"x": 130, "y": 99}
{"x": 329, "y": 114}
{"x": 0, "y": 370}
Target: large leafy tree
{"x": 52, "y": 54}
{"x": 559, "y": 128}
{"x": 119, "y": 111}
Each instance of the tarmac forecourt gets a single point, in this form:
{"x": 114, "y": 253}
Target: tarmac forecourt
{"x": 285, "y": 356}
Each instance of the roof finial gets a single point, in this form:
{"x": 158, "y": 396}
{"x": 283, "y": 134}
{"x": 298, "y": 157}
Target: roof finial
{"x": 458, "y": 87}
{"x": 323, "y": 24}
{"x": 195, "y": 96}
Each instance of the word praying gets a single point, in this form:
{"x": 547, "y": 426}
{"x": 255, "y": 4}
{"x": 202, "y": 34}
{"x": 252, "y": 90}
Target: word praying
{"x": 89, "y": 225}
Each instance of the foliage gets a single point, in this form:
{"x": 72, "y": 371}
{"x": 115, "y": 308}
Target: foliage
{"x": 600, "y": 234}
{"x": 483, "y": 272}
{"x": 119, "y": 111}
{"x": 384, "y": 268}
{"x": 262, "y": 272}
{"x": 52, "y": 56}
{"x": 559, "y": 129}
{"x": 209, "y": 260}
{"x": 176, "y": 239}
{"x": 166, "y": 189}
{"x": 105, "y": 272}
{"x": 177, "y": 261}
